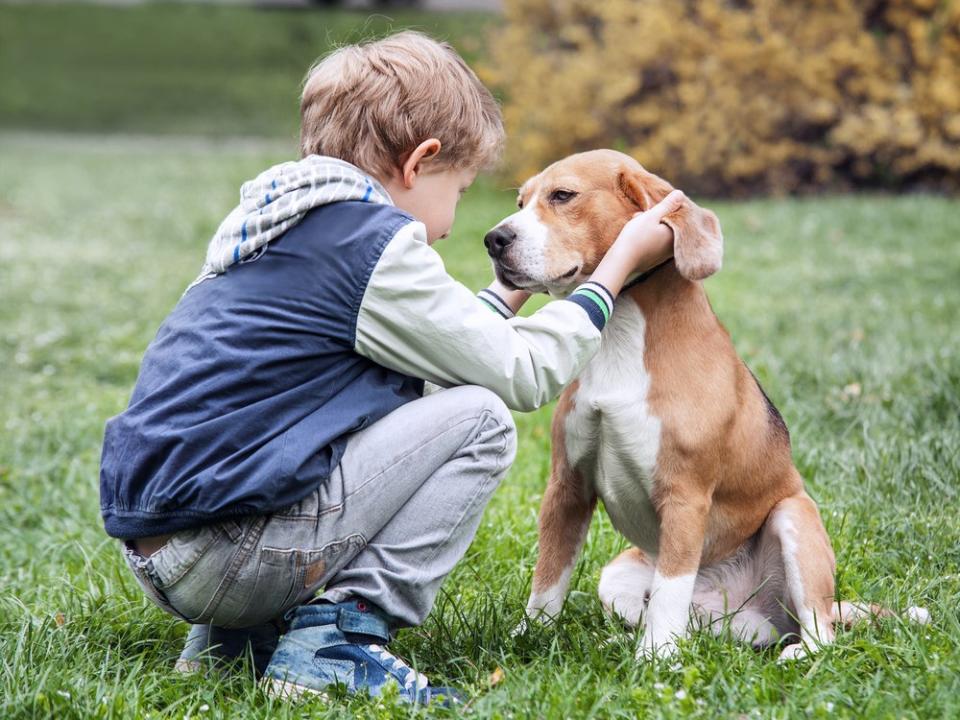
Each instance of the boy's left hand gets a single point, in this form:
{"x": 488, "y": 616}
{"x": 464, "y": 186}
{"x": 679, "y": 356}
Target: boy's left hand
{"x": 514, "y": 298}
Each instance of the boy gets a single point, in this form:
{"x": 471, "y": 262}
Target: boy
{"x": 278, "y": 442}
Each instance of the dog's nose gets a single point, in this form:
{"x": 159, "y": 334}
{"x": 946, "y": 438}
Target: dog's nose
{"x": 498, "y": 239}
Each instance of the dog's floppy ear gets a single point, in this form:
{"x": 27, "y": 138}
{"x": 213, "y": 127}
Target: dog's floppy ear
{"x": 697, "y": 241}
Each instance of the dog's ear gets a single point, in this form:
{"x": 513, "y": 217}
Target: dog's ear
{"x": 697, "y": 240}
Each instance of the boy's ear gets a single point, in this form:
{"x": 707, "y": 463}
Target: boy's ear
{"x": 411, "y": 166}
{"x": 697, "y": 240}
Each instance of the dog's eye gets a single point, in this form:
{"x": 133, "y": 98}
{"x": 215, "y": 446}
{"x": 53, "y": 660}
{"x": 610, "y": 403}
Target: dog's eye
{"x": 558, "y": 197}
{"x": 520, "y": 202}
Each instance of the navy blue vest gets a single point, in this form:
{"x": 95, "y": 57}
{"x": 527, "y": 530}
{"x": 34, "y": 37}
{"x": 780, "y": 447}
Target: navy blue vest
{"x": 247, "y": 393}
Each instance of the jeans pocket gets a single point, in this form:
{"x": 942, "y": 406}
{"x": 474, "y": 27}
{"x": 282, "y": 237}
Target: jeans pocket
{"x": 140, "y": 567}
{"x": 287, "y": 577}
{"x": 327, "y": 498}
{"x": 182, "y": 552}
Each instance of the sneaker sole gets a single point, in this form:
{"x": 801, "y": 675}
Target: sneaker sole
{"x": 283, "y": 690}
{"x": 187, "y": 667}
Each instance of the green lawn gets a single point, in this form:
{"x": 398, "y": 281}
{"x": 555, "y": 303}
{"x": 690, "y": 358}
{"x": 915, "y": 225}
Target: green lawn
{"x": 100, "y": 236}
{"x": 845, "y": 307}
{"x": 176, "y": 68}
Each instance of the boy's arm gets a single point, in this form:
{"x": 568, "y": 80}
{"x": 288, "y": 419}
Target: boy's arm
{"x": 502, "y": 299}
{"x": 416, "y": 319}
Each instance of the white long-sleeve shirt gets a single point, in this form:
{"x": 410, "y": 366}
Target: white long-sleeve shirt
{"x": 416, "y": 319}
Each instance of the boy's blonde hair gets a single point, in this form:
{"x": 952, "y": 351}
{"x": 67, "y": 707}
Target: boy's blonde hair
{"x": 371, "y": 104}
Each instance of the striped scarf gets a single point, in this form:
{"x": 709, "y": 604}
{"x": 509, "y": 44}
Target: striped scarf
{"x": 277, "y": 199}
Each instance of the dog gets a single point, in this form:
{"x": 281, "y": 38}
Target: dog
{"x": 668, "y": 427}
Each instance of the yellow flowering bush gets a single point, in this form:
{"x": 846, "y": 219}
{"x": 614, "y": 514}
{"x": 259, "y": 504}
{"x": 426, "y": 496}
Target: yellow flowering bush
{"x": 731, "y": 97}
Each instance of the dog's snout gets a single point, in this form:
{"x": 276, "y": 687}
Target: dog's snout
{"x": 498, "y": 239}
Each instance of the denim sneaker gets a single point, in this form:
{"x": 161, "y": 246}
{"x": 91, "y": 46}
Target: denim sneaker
{"x": 343, "y": 643}
{"x": 216, "y": 647}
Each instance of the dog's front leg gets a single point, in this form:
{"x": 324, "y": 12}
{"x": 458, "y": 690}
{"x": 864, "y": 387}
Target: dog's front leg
{"x": 683, "y": 521}
{"x": 564, "y": 521}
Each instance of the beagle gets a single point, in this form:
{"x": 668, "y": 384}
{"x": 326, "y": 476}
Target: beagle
{"x": 668, "y": 427}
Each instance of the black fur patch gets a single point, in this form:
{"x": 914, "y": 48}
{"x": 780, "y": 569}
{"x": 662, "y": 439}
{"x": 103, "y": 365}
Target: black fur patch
{"x": 776, "y": 419}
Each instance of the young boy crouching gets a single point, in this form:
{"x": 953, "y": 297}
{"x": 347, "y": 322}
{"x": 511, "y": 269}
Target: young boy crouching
{"x": 278, "y": 468}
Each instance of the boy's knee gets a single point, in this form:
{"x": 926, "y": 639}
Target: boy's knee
{"x": 498, "y": 420}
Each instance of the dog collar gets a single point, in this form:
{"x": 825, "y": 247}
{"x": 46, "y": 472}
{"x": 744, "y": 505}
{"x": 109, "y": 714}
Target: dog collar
{"x": 644, "y": 276}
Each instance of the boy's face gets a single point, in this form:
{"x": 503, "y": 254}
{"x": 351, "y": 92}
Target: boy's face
{"x": 432, "y": 199}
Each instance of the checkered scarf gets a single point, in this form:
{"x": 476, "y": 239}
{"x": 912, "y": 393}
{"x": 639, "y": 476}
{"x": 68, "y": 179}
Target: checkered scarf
{"x": 277, "y": 199}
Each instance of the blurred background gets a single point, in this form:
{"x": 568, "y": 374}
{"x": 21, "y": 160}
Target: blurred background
{"x": 725, "y": 97}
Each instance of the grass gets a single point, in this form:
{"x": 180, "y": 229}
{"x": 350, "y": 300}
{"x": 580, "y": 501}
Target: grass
{"x": 845, "y": 307}
{"x": 178, "y": 68}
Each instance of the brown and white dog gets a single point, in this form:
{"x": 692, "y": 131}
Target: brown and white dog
{"x": 670, "y": 429}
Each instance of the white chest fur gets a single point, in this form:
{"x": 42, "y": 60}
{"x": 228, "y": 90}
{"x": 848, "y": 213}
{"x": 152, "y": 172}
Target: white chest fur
{"x": 612, "y": 439}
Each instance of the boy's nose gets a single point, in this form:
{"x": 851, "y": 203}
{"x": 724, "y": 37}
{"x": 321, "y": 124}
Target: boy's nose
{"x": 498, "y": 239}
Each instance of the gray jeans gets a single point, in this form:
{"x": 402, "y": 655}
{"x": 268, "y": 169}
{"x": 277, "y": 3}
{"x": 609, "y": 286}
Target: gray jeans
{"x": 397, "y": 514}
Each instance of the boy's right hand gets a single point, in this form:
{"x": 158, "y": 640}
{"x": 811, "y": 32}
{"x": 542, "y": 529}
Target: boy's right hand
{"x": 643, "y": 243}
{"x": 513, "y": 298}
{"x": 647, "y": 238}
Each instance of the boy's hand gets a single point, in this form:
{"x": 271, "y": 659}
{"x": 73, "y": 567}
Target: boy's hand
{"x": 513, "y": 298}
{"x": 643, "y": 243}
{"x": 645, "y": 239}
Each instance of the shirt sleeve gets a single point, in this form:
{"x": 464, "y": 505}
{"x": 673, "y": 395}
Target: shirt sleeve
{"x": 416, "y": 319}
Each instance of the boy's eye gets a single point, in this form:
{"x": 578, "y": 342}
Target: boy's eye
{"x": 558, "y": 197}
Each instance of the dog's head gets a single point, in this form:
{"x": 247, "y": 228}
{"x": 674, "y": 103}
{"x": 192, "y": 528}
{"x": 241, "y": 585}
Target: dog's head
{"x": 572, "y": 212}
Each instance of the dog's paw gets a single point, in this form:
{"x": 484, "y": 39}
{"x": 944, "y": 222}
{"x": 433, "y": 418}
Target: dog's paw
{"x": 798, "y": 651}
{"x": 918, "y": 615}
{"x": 521, "y": 628}
{"x": 618, "y": 641}
{"x": 533, "y": 615}
{"x": 653, "y": 647}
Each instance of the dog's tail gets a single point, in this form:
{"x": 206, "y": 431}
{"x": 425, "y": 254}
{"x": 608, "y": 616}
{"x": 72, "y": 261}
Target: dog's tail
{"x": 849, "y": 613}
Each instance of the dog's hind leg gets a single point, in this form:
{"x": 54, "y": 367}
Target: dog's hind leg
{"x": 624, "y": 588}
{"x": 808, "y": 566}
{"x": 741, "y": 595}
{"x": 849, "y": 613}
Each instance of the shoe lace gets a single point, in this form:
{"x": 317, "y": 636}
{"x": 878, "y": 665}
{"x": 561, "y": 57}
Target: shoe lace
{"x": 411, "y": 678}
